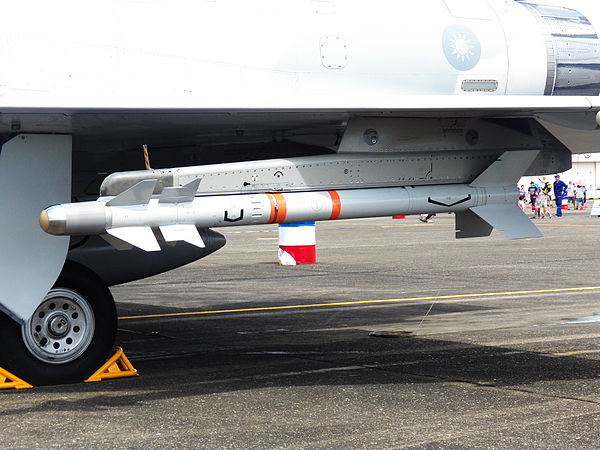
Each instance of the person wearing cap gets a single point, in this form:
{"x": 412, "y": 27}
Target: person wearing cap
{"x": 560, "y": 191}
{"x": 542, "y": 200}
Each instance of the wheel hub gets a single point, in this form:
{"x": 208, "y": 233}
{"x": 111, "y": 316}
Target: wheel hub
{"x": 58, "y": 326}
{"x": 61, "y": 328}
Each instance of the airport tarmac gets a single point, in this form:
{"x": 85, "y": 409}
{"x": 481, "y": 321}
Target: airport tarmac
{"x": 496, "y": 344}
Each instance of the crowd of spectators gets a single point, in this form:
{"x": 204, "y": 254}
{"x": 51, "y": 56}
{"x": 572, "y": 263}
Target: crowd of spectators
{"x": 542, "y": 195}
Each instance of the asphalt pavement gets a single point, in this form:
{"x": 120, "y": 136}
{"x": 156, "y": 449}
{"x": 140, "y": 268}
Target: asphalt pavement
{"x": 479, "y": 343}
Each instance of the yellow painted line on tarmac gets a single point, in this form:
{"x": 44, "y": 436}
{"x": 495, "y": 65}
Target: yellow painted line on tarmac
{"x": 363, "y": 302}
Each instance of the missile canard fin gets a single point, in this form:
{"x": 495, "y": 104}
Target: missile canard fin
{"x": 139, "y": 194}
{"x": 182, "y": 232}
{"x": 141, "y": 237}
{"x": 181, "y": 194}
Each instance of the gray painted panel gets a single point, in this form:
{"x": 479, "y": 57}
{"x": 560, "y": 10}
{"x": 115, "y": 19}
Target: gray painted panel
{"x": 35, "y": 172}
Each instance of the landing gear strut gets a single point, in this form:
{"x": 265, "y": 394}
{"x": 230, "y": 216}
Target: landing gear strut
{"x": 68, "y": 337}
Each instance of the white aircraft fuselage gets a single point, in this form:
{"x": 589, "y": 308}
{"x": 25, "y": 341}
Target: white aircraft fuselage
{"x": 261, "y": 111}
{"x": 292, "y": 54}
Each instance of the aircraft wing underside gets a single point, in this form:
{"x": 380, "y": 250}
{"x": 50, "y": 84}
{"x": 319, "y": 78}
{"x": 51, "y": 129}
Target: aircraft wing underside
{"x": 571, "y": 116}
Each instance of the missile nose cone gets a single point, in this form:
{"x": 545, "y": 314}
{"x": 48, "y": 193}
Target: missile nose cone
{"x": 598, "y": 118}
{"x": 44, "y": 221}
{"x": 53, "y": 220}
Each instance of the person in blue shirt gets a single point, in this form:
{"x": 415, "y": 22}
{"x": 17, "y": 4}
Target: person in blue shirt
{"x": 533, "y": 194}
{"x": 560, "y": 192}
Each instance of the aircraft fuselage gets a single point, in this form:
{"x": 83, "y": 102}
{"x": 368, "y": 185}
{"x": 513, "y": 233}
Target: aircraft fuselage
{"x": 302, "y": 53}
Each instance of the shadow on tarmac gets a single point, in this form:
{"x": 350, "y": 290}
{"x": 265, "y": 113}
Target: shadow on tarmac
{"x": 178, "y": 369}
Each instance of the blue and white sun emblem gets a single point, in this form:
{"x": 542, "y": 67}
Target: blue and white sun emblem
{"x": 461, "y": 47}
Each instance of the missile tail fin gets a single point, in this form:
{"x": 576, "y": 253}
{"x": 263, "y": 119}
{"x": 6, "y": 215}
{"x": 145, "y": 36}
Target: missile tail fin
{"x": 506, "y": 170}
{"x": 181, "y": 194}
{"x": 509, "y": 219}
{"x": 141, "y": 237}
{"x": 136, "y": 195}
{"x": 187, "y": 233}
{"x": 468, "y": 225}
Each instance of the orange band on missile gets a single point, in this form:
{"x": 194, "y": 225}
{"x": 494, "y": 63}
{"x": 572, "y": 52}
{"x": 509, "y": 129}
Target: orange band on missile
{"x": 336, "y": 205}
{"x": 278, "y": 208}
{"x": 273, "y": 215}
{"x": 281, "y": 208}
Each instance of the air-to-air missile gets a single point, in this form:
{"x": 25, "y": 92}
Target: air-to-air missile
{"x": 137, "y": 214}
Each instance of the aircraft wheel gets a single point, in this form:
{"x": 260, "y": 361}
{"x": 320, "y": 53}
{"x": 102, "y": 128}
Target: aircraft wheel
{"x": 68, "y": 337}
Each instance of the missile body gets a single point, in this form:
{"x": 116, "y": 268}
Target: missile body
{"x": 134, "y": 215}
{"x": 252, "y": 209}
{"x": 137, "y": 216}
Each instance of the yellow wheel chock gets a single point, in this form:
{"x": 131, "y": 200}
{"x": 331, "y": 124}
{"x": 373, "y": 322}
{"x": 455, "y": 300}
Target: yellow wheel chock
{"x": 118, "y": 366}
{"x": 10, "y": 381}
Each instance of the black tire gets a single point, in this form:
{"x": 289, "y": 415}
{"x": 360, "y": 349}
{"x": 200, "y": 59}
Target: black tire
{"x": 86, "y": 356}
